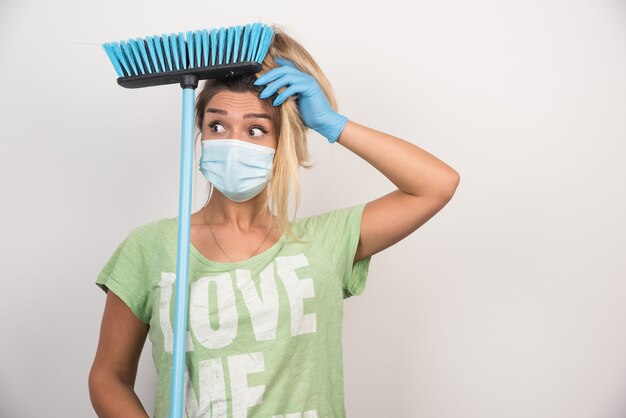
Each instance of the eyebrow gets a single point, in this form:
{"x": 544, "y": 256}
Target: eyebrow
{"x": 247, "y": 115}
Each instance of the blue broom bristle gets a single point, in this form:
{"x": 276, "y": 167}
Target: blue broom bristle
{"x": 195, "y": 49}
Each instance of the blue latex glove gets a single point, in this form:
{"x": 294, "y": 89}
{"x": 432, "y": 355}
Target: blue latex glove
{"x": 312, "y": 103}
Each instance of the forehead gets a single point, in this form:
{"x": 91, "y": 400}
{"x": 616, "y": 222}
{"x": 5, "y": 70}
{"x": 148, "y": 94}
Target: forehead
{"x": 238, "y": 104}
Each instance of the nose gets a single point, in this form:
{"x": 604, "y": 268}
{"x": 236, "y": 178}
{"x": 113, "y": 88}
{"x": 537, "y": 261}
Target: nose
{"x": 239, "y": 134}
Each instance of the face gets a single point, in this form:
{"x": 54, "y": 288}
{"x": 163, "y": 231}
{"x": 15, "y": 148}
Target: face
{"x": 242, "y": 116}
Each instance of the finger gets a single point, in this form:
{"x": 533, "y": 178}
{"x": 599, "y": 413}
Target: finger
{"x": 285, "y": 61}
{"x": 283, "y": 81}
{"x": 284, "y": 95}
{"x": 273, "y": 87}
{"x": 273, "y": 74}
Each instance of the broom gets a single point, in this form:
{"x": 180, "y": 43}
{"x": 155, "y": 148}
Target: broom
{"x": 176, "y": 58}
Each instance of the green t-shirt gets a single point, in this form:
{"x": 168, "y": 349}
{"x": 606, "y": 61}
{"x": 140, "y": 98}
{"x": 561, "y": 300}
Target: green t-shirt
{"x": 264, "y": 334}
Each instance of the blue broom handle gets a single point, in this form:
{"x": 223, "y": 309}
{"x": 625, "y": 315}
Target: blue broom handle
{"x": 182, "y": 260}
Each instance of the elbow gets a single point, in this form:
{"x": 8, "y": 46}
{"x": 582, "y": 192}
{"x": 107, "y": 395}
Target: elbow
{"x": 101, "y": 390}
{"x": 94, "y": 382}
{"x": 456, "y": 179}
{"x": 99, "y": 382}
{"x": 449, "y": 186}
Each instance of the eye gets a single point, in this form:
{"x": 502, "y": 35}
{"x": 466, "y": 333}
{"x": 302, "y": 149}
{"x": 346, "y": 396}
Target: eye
{"x": 214, "y": 125}
{"x": 257, "y": 129}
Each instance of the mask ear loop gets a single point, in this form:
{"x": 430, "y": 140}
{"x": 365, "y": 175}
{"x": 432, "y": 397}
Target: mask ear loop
{"x": 209, "y": 194}
{"x": 197, "y": 162}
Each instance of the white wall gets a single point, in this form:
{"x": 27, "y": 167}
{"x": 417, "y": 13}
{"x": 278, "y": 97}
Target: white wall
{"x": 509, "y": 303}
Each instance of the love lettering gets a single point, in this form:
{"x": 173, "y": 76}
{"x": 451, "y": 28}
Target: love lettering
{"x": 263, "y": 307}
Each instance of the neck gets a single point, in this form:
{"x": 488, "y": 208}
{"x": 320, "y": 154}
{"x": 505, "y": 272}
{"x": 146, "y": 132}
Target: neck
{"x": 239, "y": 215}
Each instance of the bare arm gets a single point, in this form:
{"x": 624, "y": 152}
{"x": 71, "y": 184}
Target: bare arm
{"x": 113, "y": 373}
{"x": 425, "y": 185}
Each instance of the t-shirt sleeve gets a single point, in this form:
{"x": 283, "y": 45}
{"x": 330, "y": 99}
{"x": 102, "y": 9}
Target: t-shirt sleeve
{"x": 342, "y": 229}
{"x": 355, "y": 274}
{"x": 127, "y": 271}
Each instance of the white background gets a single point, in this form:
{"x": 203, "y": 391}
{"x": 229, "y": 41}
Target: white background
{"x": 508, "y": 303}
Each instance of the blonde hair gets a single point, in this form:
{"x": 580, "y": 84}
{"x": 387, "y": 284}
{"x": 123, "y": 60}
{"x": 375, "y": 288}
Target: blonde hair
{"x": 292, "y": 148}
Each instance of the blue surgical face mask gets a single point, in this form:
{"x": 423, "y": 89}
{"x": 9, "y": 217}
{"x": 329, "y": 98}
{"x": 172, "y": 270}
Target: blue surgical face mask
{"x": 238, "y": 169}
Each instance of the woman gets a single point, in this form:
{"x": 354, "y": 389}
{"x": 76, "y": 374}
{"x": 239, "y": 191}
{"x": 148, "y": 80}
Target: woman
{"x": 266, "y": 293}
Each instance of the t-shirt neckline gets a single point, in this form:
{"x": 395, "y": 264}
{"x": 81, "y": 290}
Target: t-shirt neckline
{"x": 232, "y": 265}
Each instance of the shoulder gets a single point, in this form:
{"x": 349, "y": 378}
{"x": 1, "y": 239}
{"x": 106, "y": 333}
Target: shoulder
{"x": 332, "y": 221}
{"x": 148, "y": 227}
{"x": 148, "y": 231}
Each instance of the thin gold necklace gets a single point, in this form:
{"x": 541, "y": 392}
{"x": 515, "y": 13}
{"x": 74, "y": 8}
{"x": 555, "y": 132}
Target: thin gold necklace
{"x": 220, "y": 247}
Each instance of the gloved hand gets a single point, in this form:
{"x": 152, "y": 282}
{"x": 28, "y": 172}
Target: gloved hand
{"x": 312, "y": 103}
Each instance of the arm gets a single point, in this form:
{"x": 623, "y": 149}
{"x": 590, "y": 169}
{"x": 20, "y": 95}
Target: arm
{"x": 113, "y": 373}
{"x": 425, "y": 185}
